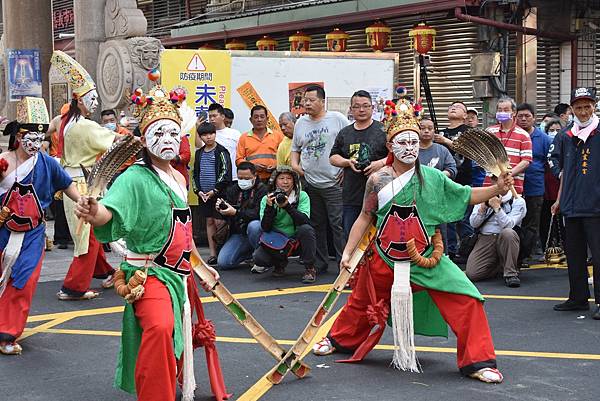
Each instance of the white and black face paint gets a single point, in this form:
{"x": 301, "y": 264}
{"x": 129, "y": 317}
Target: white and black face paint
{"x": 32, "y": 142}
{"x": 90, "y": 101}
{"x": 163, "y": 139}
{"x": 405, "y": 147}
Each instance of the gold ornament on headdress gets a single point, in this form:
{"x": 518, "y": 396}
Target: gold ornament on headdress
{"x": 156, "y": 105}
{"x": 80, "y": 80}
{"x": 400, "y": 117}
{"x": 32, "y": 110}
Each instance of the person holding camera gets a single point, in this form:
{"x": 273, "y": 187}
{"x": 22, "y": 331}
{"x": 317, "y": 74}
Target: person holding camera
{"x": 240, "y": 208}
{"x": 360, "y": 150}
{"x": 284, "y": 220}
{"x": 497, "y": 246}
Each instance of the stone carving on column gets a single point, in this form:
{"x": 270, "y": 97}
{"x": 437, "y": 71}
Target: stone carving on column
{"x": 127, "y": 56}
{"x": 3, "y": 85}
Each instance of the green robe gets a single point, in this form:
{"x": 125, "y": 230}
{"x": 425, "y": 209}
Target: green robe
{"x": 440, "y": 200}
{"x": 141, "y": 205}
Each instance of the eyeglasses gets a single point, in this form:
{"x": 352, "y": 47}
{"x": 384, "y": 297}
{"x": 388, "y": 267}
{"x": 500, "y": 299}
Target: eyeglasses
{"x": 362, "y": 107}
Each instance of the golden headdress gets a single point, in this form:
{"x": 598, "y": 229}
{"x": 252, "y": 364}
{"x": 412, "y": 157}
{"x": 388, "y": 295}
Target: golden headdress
{"x": 156, "y": 105}
{"x": 80, "y": 80}
{"x": 401, "y": 116}
{"x": 32, "y": 115}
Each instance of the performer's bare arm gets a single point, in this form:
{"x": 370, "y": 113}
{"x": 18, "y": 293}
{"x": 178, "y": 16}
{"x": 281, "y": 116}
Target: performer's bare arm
{"x": 72, "y": 192}
{"x": 92, "y": 212}
{"x": 375, "y": 183}
{"x": 481, "y": 194}
{"x": 295, "y": 161}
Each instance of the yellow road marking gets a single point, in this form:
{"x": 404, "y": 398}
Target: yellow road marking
{"x": 387, "y": 347}
{"x": 42, "y": 327}
{"x": 210, "y": 299}
{"x": 263, "y": 385}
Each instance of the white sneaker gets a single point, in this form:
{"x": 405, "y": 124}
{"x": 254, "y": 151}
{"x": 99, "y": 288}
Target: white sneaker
{"x": 259, "y": 269}
{"x": 590, "y": 281}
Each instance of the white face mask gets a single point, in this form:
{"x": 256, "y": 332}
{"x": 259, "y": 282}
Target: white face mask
{"x": 163, "y": 139}
{"x": 90, "y": 101}
{"x": 32, "y": 142}
{"x": 405, "y": 147}
{"x": 245, "y": 184}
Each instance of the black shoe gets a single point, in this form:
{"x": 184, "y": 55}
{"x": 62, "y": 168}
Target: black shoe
{"x": 62, "y": 246}
{"x": 569, "y": 305}
{"x": 212, "y": 261}
{"x": 596, "y": 312}
{"x": 512, "y": 282}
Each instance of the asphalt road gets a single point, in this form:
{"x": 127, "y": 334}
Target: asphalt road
{"x": 71, "y": 347}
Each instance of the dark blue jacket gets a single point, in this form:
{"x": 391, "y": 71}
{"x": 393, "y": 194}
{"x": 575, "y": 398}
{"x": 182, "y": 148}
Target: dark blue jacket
{"x": 534, "y": 174}
{"x": 580, "y": 166}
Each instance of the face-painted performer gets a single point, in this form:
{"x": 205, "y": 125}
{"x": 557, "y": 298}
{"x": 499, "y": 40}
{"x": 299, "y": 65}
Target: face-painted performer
{"x": 147, "y": 206}
{"x": 81, "y": 140}
{"x": 29, "y": 179}
{"x": 408, "y": 201}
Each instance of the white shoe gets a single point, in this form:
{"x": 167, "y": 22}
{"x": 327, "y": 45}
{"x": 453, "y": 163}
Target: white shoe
{"x": 488, "y": 375}
{"x": 259, "y": 269}
{"x": 590, "y": 281}
{"x": 89, "y": 294}
{"x": 109, "y": 282}
{"x": 10, "y": 348}
{"x": 323, "y": 347}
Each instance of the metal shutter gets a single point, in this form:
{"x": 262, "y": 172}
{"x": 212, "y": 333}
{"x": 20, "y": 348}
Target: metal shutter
{"x": 548, "y": 76}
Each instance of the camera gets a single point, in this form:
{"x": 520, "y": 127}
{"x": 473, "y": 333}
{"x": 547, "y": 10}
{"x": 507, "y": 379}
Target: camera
{"x": 223, "y": 205}
{"x": 361, "y": 165}
{"x": 280, "y": 195}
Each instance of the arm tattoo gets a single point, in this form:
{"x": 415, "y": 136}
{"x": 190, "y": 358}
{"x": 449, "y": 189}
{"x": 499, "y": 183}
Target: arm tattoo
{"x": 375, "y": 183}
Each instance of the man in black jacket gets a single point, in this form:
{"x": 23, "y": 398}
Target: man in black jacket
{"x": 575, "y": 158}
{"x": 240, "y": 208}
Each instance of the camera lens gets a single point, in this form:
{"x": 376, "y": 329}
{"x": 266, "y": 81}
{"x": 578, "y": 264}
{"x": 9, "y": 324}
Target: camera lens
{"x": 280, "y": 198}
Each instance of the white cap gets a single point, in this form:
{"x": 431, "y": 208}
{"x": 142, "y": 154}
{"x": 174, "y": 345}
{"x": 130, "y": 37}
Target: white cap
{"x": 473, "y": 109}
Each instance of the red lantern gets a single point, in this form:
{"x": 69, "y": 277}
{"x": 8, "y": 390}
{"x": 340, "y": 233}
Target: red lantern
{"x": 300, "y": 42}
{"x": 379, "y": 35}
{"x": 336, "y": 40}
{"x": 235, "y": 44}
{"x": 266, "y": 43}
{"x": 422, "y": 38}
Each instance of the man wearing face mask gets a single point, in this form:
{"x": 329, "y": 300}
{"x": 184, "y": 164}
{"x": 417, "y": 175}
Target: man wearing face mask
{"x": 81, "y": 140}
{"x": 29, "y": 179}
{"x": 514, "y": 138}
{"x": 576, "y": 156}
{"x": 240, "y": 207}
{"x": 406, "y": 201}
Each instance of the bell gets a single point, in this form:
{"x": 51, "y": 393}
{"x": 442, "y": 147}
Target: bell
{"x": 555, "y": 256}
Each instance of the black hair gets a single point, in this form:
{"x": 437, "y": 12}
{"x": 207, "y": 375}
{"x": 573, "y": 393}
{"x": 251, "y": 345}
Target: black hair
{"x": 258, "y": 107}
{"x": 74, "y": 111}
{"x": 526, "y": 106}
{"x": 361, "y": 93}
{"x": 206, "y": 128}
{"x": 147, "y": 159}
{"x": 460, "y": 102}
{"x": 218, "y": 107}
{"x": 247, "y": 166}
{"x": 228, "y": 113}
{"x": 551, "y": 115}
{"x": 316, "y": 88}
{"x": 419, "y": 174}
{"x": 561, "y": 108}
{"x": 551, "y": 123}
{"x": 108, "y": 112}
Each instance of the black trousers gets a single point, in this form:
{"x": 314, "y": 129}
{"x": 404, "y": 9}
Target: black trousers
{"x": 61, "y": 228}
{"x": 582, "y": 232}
{"x": 305, "y": 235}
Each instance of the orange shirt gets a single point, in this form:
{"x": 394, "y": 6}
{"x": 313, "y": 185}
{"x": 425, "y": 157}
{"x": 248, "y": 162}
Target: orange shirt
{"x": 259, "y": 151}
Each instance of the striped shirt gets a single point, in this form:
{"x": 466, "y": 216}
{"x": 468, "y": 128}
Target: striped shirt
{"x": 517, "y": 143}
{"x": 208, "y": 171}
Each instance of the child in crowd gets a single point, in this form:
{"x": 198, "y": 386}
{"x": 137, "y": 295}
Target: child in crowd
{"x": 212, "y": 174}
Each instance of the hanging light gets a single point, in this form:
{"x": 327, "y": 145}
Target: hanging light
{"x": 266, "y": 43}
{"x": 422, "y": 38}
{"x": 379, "y": 35}
{"x": 337, "y": 40}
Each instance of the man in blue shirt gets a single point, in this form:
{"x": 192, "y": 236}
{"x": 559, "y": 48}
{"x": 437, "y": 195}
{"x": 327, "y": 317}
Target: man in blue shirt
{"x": 533, "y": 187}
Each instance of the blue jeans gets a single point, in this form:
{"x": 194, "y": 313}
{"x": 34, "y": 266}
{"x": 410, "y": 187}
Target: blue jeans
{"x": 349, "y": 215}
{"x": 461, "y": 228}
{"x": 239, "y": 247}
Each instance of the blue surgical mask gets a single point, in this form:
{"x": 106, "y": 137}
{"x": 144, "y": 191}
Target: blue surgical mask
{"x": 543, "y": 126}
{"x": 570, "y": 118}
{"x": 111, "y": 126}
{"x": 503, "y": 116}
{"x": 552, "y": 133}
{"x": 245, "y": 184}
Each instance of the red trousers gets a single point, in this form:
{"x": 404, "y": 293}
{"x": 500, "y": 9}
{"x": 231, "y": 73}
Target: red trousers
{"x": 465, "y": 316}
{"x": 155, "y": 369}
{"x": 15, "y": 304}
{"x": 85, "y": 267}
